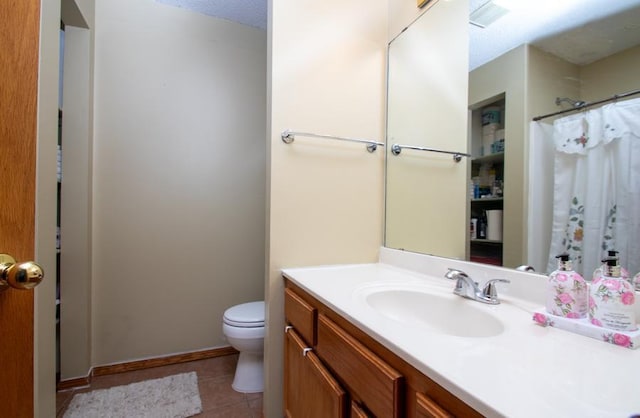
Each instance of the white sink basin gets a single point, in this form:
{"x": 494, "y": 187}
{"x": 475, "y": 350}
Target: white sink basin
{"x": 436, "y": 312}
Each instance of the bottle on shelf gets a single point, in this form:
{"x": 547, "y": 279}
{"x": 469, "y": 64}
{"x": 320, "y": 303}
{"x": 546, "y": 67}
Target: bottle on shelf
{"x": 482, "y": 226}
{"x": 474, "y": 228}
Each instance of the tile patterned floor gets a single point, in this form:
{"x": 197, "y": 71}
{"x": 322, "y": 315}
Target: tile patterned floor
{"x": 214, "y": 383}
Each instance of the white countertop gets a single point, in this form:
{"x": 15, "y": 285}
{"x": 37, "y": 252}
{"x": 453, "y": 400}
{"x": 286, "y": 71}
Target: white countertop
{"x": 524, "y": 371}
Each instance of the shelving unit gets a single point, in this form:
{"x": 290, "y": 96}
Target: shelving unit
{"x": 486, "y": 182}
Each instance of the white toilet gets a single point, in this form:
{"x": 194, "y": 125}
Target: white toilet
{"x": 243, "y": 326}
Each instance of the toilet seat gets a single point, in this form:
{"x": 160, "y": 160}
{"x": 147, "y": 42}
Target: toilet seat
{"x": 245, "y": 315}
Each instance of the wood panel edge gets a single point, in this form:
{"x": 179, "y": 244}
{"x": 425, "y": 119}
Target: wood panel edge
{"x": 77, "y": 382}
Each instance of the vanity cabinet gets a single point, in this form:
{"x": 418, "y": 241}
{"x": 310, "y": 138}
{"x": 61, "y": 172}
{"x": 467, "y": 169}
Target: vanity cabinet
{"x": 350, "y": 373}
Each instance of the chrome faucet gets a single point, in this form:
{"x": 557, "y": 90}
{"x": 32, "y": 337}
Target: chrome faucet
{"x": 467, "y": 288}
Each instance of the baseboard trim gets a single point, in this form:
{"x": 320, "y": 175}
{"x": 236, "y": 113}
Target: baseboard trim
{"x": 162, "y": 361}
{"x": 73, "y": 383}
{"x": 144, "y": 364}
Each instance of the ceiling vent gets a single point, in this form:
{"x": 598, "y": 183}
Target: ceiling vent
{"x": 486, "y": 14}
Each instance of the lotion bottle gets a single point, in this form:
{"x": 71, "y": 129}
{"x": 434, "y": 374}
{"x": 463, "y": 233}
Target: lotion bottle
{"x": 567, "y": 291}
{"x": 599, "y": 272}
{"x": 612, "y": 300}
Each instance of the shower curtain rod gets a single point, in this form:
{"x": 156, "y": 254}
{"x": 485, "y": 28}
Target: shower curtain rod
{"x": 589, "y": 104}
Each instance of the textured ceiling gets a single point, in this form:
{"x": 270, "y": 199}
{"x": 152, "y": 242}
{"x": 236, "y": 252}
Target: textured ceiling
{"x": 556, "y": 26}
{"x": 247, "y": 12}
{"x": 545, "y": 23}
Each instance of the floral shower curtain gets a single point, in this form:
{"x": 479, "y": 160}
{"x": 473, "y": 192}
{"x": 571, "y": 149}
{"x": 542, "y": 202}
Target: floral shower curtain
{"x": 597, "y": 187}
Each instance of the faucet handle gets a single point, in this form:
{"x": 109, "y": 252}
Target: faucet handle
{"x": 453, "y": 274}
{"x": 489, "y": 290}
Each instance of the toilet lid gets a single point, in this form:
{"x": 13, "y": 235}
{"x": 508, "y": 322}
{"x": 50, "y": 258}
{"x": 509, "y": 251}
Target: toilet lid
{"x": 246, "y": 315}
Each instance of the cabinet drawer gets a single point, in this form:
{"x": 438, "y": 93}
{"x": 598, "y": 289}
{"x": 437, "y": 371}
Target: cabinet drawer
{"x": 428, "y": 408}
{"x": 368, "y": 378}
{"x": 301, "y": 315}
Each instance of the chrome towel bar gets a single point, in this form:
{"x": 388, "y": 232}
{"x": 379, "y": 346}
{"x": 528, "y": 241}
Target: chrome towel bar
{"x": 288, "y": 137}
{"x": 457, "y": 156}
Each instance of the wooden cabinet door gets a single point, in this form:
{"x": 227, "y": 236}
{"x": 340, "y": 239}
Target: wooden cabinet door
{"x": 19, "y": 43}
{"x": 428, "y": 408}
{"x": 309, "y": 389}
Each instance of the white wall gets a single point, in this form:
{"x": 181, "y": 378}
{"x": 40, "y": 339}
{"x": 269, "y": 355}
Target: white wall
{"x": 75, "y": 212}
{"x": 327, "y": 76}
{"x": 178, "y": 192}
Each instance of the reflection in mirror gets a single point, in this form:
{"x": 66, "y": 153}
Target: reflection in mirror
{"x": 594, "y": 60}
{"x": 427, "y": 107}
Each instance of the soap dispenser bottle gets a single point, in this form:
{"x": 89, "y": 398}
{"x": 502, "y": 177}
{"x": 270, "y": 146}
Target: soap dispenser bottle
{"x": 612, "y": 299}
{"x": 567, "y": 291}
{"x": 599, "y": 272}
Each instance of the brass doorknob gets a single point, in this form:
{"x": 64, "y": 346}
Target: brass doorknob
{"x": 26, "y": 275}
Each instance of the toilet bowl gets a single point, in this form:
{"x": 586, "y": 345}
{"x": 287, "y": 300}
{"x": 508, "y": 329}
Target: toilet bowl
{"x": 243, "y": 326}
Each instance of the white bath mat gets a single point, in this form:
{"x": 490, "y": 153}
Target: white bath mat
{"x": 174, "y": 396}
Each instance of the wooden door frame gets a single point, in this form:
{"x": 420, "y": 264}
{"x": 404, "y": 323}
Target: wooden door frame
{"x": 46, "y": 198}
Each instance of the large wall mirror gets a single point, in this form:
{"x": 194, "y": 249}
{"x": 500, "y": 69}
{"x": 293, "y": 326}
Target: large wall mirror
{"x": 515, "y": 68}
{"x": 427, "y": 107}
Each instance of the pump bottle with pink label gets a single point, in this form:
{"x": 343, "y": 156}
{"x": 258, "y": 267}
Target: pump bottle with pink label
{"x": 567, "y": 292}
{"x": 612, "y": 299}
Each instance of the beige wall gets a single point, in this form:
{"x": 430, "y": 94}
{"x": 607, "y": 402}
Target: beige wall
{"x": 506, "y": 74}
{"x": 88, "y": 10}
{"x": 79, "y": 13}
{"x": 46, "y": 195}
{"x": 327, "y": 76}
{"x": 178, "y": 191}
{"x": 612, "y": 75}
{"x": 549, "y": 77}
{"x": 402, "y": 13}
